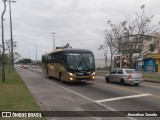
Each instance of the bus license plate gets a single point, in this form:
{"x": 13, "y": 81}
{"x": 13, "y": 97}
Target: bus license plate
{"x": 83, "y": 80}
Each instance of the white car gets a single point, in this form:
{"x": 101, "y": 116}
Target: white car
{"x": 19, "y": 65}
{"x": 124, "y": 76}
{"x": 33, "y": 66}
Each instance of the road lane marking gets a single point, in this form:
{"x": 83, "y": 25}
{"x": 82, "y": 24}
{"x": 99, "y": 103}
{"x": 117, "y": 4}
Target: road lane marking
{"x": 125, "y": 89}
{"x": 109, "y": 108}
{"x": 120, "y": 98}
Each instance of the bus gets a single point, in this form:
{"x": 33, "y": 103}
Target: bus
{"x": 69, "y": 65}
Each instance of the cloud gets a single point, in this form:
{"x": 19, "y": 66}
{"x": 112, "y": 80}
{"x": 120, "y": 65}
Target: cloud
{"x": 78, "y": 22}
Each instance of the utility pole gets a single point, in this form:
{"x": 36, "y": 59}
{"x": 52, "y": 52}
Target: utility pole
{"x": 105, "y": 55}
{"x": 12, "y": 53}
{"x": 36, "y": 55}
{"x": 120, "y": 61}
{"x": 53, "y": 40}
{"x": 3, "y": 44}
{"x": 29, "y": 54}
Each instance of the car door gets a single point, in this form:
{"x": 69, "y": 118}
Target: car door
{"x": 113, "y": 76}
{"x": 119, "y": 75}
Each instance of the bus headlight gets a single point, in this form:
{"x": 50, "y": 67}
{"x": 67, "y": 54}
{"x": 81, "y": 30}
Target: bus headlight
{"x": 70, "y": 73}
{"x": 71, "y": 78}
{"x": 93, "y": 73}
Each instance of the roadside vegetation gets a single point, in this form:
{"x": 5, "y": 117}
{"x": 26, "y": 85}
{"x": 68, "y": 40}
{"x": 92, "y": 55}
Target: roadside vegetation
{"x": 152, "y": 77}
{"x": 14, "y": 96}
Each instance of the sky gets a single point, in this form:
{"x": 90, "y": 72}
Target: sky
{"x": 81, "y": 23}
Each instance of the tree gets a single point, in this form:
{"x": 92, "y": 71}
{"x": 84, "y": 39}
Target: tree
{"x": 152, "y": 47}
{"x": 130, "y": 36}
{"x": 110, "y": 42}
{"x": 135, "y": 34}
{"x": 3, "y": 45}
{"x": 26, "y": 61}
{"x": 0, "y": 60}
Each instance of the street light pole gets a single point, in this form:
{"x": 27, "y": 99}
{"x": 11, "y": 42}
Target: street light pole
{"x": 53, "y": 40}
{"x": 12, "y": 55}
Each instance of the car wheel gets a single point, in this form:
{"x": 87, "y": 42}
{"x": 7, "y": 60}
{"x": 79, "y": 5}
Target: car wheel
{"x": 136, "y": 84}
{"x": 107, "y": 80}
{"x": 122, "y": 82}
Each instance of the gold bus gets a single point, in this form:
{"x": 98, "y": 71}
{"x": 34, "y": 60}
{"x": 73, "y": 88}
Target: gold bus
{"x": 70, "y": 65}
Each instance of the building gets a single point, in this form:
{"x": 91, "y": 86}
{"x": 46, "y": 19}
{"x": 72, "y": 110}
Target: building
{"x": 133, "y": 46}
{"x": 152, "y": 63}
{"x": 120, "y": 62}
{"x": 150, "y": 60}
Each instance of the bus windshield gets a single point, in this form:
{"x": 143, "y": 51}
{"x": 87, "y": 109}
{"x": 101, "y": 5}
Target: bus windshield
{"x": 80, "y": 61}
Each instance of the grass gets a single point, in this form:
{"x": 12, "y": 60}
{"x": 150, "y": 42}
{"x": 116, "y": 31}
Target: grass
{"x": 14, "y": 96}
{"x": 151, "y": 77}
{"x": 101, "y": 73}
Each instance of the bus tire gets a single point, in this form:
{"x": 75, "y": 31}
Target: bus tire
{"x": 48, "y": 76}
{"x": 61, "y": 78}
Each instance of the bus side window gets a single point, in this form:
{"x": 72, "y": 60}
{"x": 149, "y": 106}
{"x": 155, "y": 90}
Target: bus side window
{"x": 53, "y": 57}
{"x": 49, "y": 58}
{"x": 44, "y": 59}
{"x": 64, "y": 60}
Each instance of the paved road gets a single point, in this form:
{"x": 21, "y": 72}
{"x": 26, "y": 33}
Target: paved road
{"x": 52, "y": 95}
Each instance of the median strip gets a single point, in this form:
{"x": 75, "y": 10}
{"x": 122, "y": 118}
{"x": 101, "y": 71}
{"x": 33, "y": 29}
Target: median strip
{"x": 120, "y": 98}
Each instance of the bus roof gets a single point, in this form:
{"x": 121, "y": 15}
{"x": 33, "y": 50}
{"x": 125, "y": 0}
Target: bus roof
{"x": 70, "y": 50}
{"x": 76, "y": 50}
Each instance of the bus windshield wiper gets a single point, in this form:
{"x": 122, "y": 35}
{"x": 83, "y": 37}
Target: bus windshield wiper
{"x": 83, "y": 64}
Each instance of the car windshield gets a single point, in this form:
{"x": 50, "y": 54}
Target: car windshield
{"x": 80, "y": 61}
{"x": 130, "y": 71}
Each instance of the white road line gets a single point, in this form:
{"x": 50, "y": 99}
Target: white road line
{"x": 109, "y": 108}
{"x": 120, "y": 98}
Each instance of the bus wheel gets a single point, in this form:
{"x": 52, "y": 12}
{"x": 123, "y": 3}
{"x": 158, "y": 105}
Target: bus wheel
{"x": 61, "y": 79}
{"x": 49, "y": 77}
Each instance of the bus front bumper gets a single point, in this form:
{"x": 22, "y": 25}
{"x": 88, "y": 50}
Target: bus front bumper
{"x": 81, "y": 78}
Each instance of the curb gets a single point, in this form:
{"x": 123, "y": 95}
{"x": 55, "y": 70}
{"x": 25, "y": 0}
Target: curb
{"x": 151, "y": 80}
